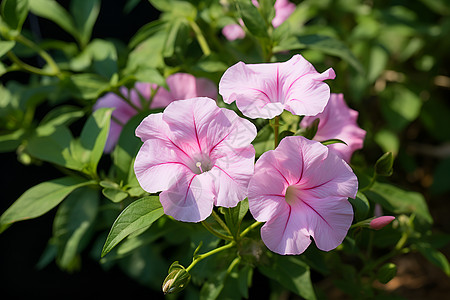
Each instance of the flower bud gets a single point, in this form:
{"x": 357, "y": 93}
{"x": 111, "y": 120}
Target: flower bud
{"x": 384, "y": 164}
{"x": 177, "y": 279}
{"x": 381, "y": 222}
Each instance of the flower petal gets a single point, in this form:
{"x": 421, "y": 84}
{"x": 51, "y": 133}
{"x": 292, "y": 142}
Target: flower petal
{"x": 153, "y": 127}
{"x": 157, "y": 170}
{"x": 327, "y": 220}
{"x": 190, "y": 198}
{"x": 231, "y": 174}
{"x": 286, "y": 233}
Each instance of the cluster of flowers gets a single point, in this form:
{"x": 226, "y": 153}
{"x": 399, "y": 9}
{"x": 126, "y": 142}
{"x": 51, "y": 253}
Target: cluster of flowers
{"x": 199, "y": 155}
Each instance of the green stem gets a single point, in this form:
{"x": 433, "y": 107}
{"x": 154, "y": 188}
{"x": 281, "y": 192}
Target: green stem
{"x": 221, "y": 222}
{"x": 371, "y": 183}
{"x": 118, "y": 93}
{"x": 200, "y": 38}
{"x": 216, "y": 233}
{"x": 27, "y": 67}
{"x": 276, "y": 126}
{"x": 23, "y": 40}
{"x": 249, "y": 228}
{"x": 205, "y": 255}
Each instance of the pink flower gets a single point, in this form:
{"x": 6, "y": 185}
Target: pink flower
{"x": 181, "y": 85}
{"x": 283, "y": 9}
{"x": 381, "y": 222}
{"x": 198, "y": 154}
{"x": 300, "y": 190}
{"x": 264, "y": 90}
{"x": 338, "y": 121}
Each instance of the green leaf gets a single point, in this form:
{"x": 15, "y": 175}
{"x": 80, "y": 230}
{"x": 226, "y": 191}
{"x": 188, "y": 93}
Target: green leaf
{"x": 434, "y": 256}
{"x": 360, "y": 206}
{"x": 5, "y": 46}
{"x": 53, "y": 144}
{"x": 333, "y": 141}
{"x": 14, "y": 13}
{"x": 40, "y": 199}
{"x": 290, "y": 272}
{"x": 115, "y": 195}
{"x": 53, "y": 11}
{"x": 384, "y": 164}
{"x": 325, "y": 44}
{"x": 85, "y": 13}
{"x": 176, "y": 42}
{"x": 94, "y": 134}
{"x": 399, "y": 201}
{"x": 127, "y": 147}
{"x": 139, "y": 214}
{"x": 62, "y": 116}
{"x": 234, "y": 216}
{"x": 87, "y": 86}
{"x": 72, "y": 224}
{"x": 253, "y": 20}
{"x": 10, "y": 142}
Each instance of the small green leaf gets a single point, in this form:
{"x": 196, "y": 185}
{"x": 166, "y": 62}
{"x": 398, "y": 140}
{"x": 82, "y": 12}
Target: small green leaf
{"x": 386, "y": 273}
{"x": 53, "y": 11}
{"x": 14, "y": 13}
{"x": 40, "y": 199}
{"x": 10, "y": 142}
{"x": 234, "y": 216}
{"x": 139, "y": 214}
{"x": 5, "y": 46}
{"x": 115, "y": 195}
{"x": 253, "y": 20}
{"x": 71, "y": 226}
{"x": 360, "y": 206}
{"x": 85, "y": 13}
{"x": 290, "y": 272}
{"x": 435, "y": 257}
{"x": 86, "y": 85}
{"x": 94, "y": 134}
{"x": 333, "y": 141}
{"x": 384, "y": 164}
{"x": 310, "y": 131}
{"x": 399, "y": 201}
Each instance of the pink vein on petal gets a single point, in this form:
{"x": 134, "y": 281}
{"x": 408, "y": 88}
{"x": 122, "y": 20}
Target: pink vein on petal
{"x": 210, "y": 151}
{"x": 189, "y": 186}
{"x": 262, "y": 92}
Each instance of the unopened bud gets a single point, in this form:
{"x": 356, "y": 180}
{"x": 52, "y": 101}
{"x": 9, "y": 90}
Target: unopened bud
{"x": 177, "y": 279}
{"x": 381, "y": 222}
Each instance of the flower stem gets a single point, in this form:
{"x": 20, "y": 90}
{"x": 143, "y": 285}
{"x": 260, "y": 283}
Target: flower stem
{"x": 205, "y": 255}
{"x": 30, "y": 44}
{"x": 221, "y": 222}
{"x": 27, "y": 67}
{"x": 276, "y": 126}
{"x": 200, "y": 38}
{"x": 249, "y": 228}
{"x": 216, "y": 233}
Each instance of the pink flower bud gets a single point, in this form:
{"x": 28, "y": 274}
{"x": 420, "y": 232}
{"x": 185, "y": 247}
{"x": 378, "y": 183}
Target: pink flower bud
{"x": 381, "y": 222}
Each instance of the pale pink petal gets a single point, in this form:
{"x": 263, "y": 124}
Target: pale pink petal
{"x": 233, "y": 32}
{"x": 153, "y": 127}
{"x": 228, "y": 130}
{"x": 283, "y": 9}
{"x": 286, "y": 233}
{"x": 158, "y": 170}
{"x": 266, "y": 193}
{"x": 264, "y": 90}
{"x": 231, "y": 174}
{"x": 189, "y": 119}
{"x": 190, "y": 198}
{"x": 327, "y": 220}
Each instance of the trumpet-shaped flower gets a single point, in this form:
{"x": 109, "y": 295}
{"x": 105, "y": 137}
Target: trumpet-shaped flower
{"x": 265, "y": 90}
{"x": 300, "y": 190}
{"x": 181, "y": 86}
{"x": 338, "y": 121}
{"x": 198, "y": 155}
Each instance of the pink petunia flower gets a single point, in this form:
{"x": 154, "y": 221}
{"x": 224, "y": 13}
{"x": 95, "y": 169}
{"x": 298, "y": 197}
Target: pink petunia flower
{"x": 265, "y": 90}
{"x": 181, "y": 86}
{"x": 338, "y": 121}
{"x": 198, "y": 154}
{"x": 283, "y": 9}
{"x": 300, "y": 190}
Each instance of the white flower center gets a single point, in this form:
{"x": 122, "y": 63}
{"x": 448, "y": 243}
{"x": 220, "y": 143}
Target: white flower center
{"x": 202, "y": 164}
{"x": 290, "y": 195}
